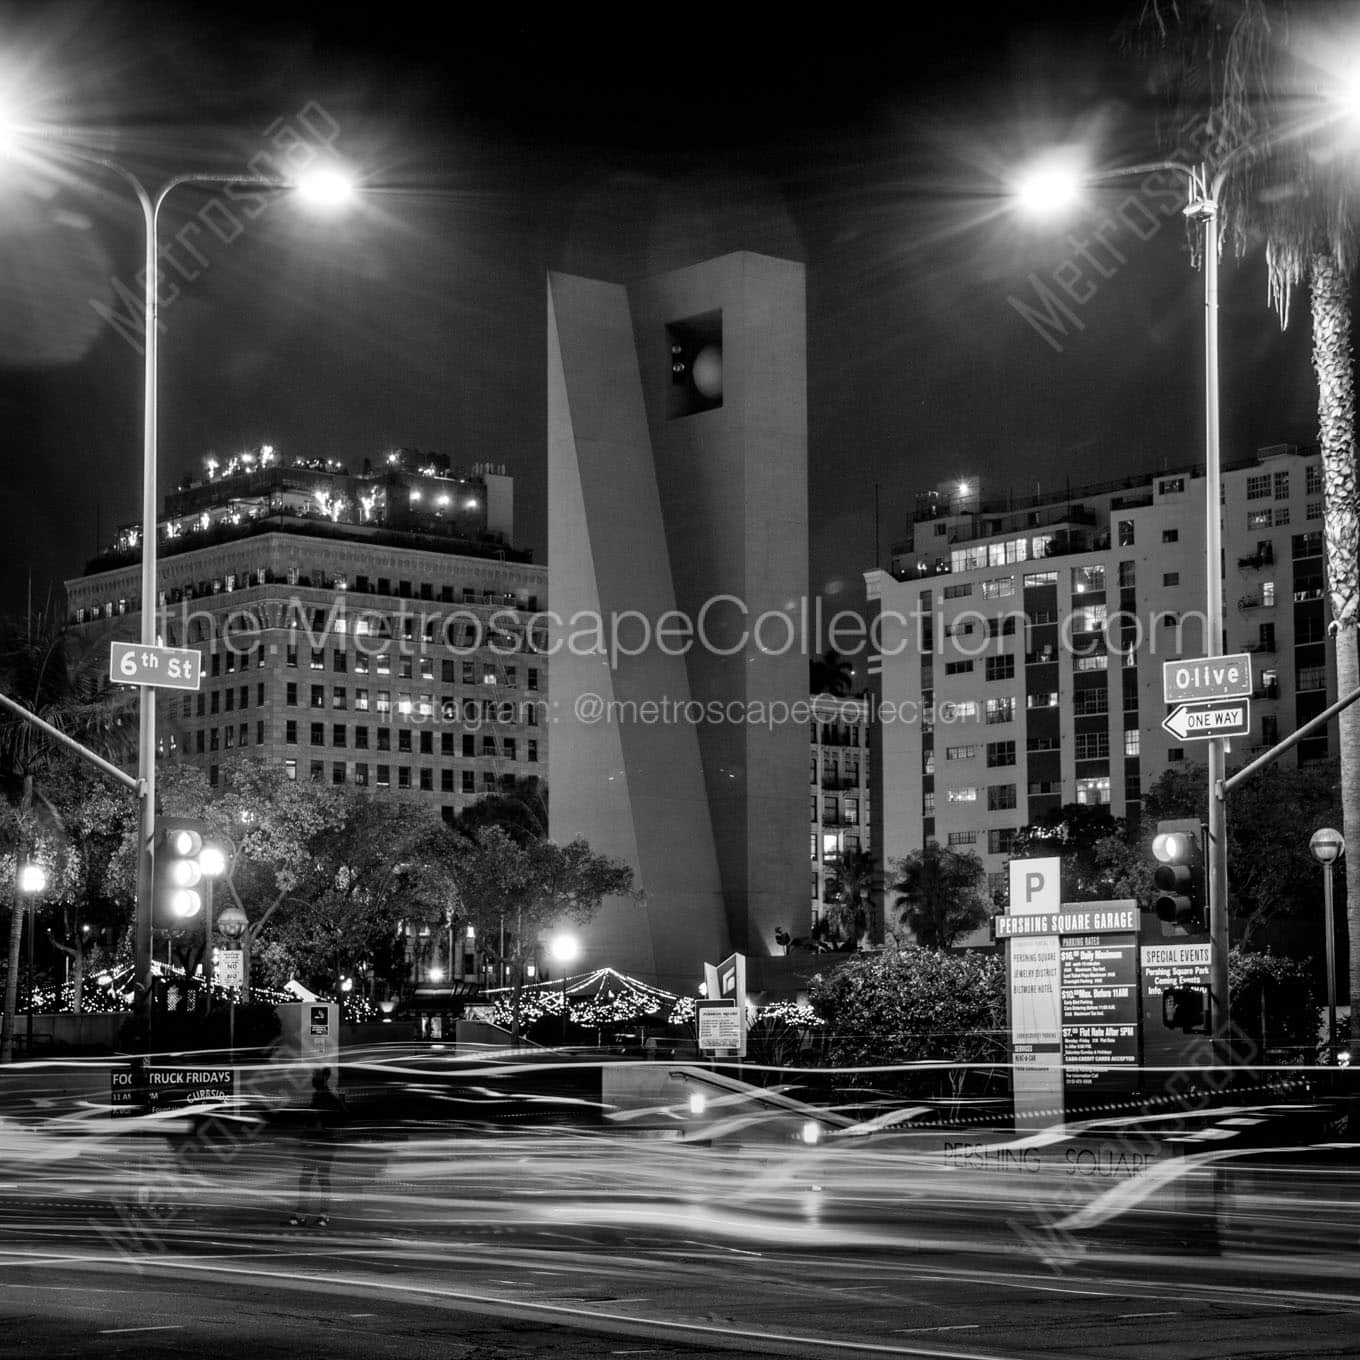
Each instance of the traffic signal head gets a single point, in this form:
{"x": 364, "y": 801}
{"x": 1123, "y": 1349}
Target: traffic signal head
{"x": 179, "y": 842}
{"x": 1178, "y": 880}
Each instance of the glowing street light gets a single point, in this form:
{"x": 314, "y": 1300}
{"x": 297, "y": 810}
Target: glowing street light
{"x": 565, "y": 950}
{"x": 1049, "y": 188}
{"x": 324, "y": 185}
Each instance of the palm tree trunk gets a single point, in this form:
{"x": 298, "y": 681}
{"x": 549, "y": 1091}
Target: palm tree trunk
{"x": 16, "y": 929}
{"x": 1331, "y": 317}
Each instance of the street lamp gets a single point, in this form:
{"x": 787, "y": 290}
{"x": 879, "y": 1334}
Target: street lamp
{"x": 323, "y": 185}
{"x": 1328, "y": 846}
{"x": 1048, "y": 187}
{"x": 565, "y": 950}
{"x": 32, "y": 882}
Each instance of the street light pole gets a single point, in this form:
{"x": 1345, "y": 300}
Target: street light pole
{"x": 1328, "y": 846}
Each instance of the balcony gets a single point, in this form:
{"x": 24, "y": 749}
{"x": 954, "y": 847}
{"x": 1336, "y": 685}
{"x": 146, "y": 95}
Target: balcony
{"x": 1257, "y": 560}
{"x": 1249, "y": 602}
{"x": 1267, "y": 691}
{"x": 1266, "y": 646}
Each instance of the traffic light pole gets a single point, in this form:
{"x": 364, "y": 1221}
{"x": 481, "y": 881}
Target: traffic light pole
{"x": 1204, "y": 208}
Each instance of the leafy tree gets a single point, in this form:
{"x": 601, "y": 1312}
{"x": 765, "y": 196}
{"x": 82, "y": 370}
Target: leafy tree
{"x": 521, "y": 810}
{"x": 1271, "y": 871}
{"x": 379, "y": 865}
{"x": 1098, "y": 860}
{"x": 914, "y": 1005}
{"x": 1275, "y": 1001}
{"x": 530, "y": 887}
{"x": 941, "y": 894}
{"x": 59, "y": 677}
{"x": 1236, "y": 71}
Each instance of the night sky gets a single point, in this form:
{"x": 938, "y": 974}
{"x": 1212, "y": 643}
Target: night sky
{"x": 494, "y": 152}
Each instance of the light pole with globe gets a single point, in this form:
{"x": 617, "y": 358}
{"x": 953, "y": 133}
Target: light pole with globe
{"x": 565, "y": 950}
{"x": 1328, "y": 845}
{"x": 32, "y": 882}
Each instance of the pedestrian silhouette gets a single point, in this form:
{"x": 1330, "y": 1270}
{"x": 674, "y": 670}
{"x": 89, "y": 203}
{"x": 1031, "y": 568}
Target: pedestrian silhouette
{"x": 325, "y": 1114}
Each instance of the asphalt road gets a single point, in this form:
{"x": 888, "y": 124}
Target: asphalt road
{"x": 94, "y": 1276}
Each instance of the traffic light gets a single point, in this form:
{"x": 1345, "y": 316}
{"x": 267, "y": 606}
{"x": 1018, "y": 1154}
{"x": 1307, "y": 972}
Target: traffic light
{"x": 179, "y": 842}
{"x": 1186, "y": 1009}
{"x": 1179, "y": 877}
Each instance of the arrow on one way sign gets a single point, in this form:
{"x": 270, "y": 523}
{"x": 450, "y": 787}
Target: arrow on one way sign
{"x": 1201, "y": 722}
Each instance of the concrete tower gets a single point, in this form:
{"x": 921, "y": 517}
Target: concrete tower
{"x": 677, "y": 446}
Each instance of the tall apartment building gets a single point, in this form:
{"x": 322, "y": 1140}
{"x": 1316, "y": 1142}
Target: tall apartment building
{"x": 838, "y": 793}
{"x": 1022, "y": 645}
{"x": 375, "y": 629}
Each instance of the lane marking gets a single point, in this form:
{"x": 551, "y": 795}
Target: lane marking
{"x": 1171, "y": 1313}
{"x": 119, "y": 1331}
{"x": 956, "y": 1327}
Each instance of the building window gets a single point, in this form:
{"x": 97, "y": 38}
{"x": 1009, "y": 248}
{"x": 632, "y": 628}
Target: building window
{"x": 964, "y": 795}
{"x": 957, "y": 592}
{"x": 531, "y": 751}
{"x": 1175, "y": 753}
{"x": 1089, "y": 701}
{"x": 1001, "y": 710}
{"x": 928, "y": 802}
{"x": 384, "y": 738}
{"x": 290, "y": 769}
{"x": 361, "y": 775}
{"x": 1312, "y": 480}
{"x": 1087, "y": 579}
{"x": 339, "y": 699}
{"x": 1313, "y": 510}
{"x": 1133, "y": 741}
{"x": 1125, "y": 533}
{"x": 957, "y": 667}
{"x": 1000, "y": 667}
{"x": 290, "y": 655}
{"x": 960, "y": 752}
{"x": 469, "y": 782}
{"x": 1258, "y": 488}
{"x": 1093, "y": 792}
{"x": 426, "y": 780}
{"x": 1000, "y": 797}
{"x": 318, "y": 658}
{"x": 337, "y": 734}
{"x": 962, "y": 837}
{"x": 1281, "y": 515}
{"x": 1000, "y": 840}
{"x": 384, "y": 702}
{"x": 290, "y": 732}
{"x": 1093, "y": 663}
{"x": 318, "y": 734}
{"x": 1169, "y": 486}
{"x": 361, "y": 738}
{"x": 317, "y": 771}
{"x": 404, "y": 740}
{"x": 1093, "y": 746}
{"x": 1259, "y": 519}
{"x": 338, "y": 772}
{"x": 1282, "y": 486}
{"x": 1268, "y": 594}
{"x": 1048, "y": 699}
{"x": 1171, "y": 535}
{"x": 962, "y": 710}
{"x": 1311, "y": 677}
{"x": 998, "y": 588}
{"x": 1000, "y": 753}
{"x": 1171, "y": 578}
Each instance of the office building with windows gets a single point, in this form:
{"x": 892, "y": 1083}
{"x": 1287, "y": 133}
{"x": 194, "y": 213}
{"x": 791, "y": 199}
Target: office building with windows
{"x": 1022, "y": 644}
{"x": 376, "y": 630}
{"x": 839, "y": 794}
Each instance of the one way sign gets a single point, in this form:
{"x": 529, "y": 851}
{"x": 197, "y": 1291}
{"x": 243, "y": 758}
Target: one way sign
{"x": 1201, "y": 722}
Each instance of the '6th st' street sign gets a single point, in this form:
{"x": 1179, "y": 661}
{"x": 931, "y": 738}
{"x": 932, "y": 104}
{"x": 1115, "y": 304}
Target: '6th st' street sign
{"x": 131, "y": 663}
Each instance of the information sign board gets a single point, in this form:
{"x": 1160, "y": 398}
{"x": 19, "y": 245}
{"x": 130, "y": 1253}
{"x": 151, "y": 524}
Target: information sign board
{"x": 719, "y": 1024}
{"x": 147, "y": 1090}
{"x": 1200, "y": 678}
{"x": 1099, "y": 1012}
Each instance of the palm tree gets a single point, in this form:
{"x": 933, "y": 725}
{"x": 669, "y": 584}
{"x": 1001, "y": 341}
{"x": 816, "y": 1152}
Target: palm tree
{"x": 44, "y": 667}
{"x": 940, "y": 894}
{"x": 856, "y": 879}
{"x": 1235, "y": 68}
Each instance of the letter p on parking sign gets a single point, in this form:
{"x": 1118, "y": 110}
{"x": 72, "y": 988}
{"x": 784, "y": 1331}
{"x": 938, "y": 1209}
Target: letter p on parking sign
{"x": 1034, "y": 886}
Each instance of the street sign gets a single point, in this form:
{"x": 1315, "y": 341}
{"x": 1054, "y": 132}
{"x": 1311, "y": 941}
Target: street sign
{"x": 1201, "y": 722}
{"x": 1207, "y": 677}
{"x": 719, "y": 1024}
{"x": 131, "y": 663}
{"x": 229, "y": 967}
